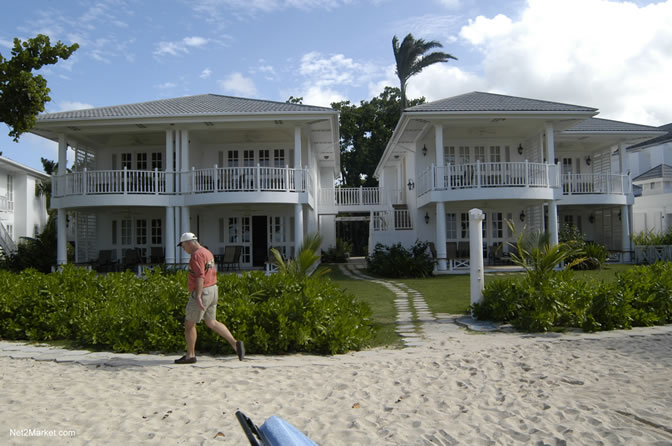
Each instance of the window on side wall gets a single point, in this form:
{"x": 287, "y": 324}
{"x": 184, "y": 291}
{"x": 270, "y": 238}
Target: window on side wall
{"x": 451, "y": 226}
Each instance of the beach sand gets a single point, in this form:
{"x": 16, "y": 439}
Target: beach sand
{"x": 457, "y": 387}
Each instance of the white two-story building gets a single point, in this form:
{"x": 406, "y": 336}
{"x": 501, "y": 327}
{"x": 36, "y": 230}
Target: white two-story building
{"x": 536, "y": 163}
{"x": 234, "y": 171}
{"x": 23, "y": 212}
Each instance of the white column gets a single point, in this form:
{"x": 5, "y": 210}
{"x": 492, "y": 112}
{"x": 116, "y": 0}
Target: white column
{"x": 438, "y": 137}
{"x": 170, "y": 235}
{"x": 553, "y": 221}
{"x": 61, "y": 242}
{"x": 298, "y": 228}
{"x": 550, "y": 143}
{"x": 184, "y": 223}
{"x": 184, "y": 160}
{"x": 623, "y": 159}
{"x": 625, "y": 232}
{"x": 441, "y": 236}
{"x": 61, "y": 236}
{"x": 170, "y": 176}
{"x": 477, "y": 282}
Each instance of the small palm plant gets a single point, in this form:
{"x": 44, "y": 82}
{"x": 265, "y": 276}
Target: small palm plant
{"x": 539, "y": 258}
{"x": 307, "y": 258}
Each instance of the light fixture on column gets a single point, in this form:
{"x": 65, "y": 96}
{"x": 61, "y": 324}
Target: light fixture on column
{"x": 591, "y": 218}
{"x": 588, "y": 161}
{"x": 520, "y": 149}
{"x": 522, "y": 216}
{"x": 411, "y": 185}
{"x": 619, "y": 215}
{"x": 426, "y": 217}
{"x": 424, "y": 150}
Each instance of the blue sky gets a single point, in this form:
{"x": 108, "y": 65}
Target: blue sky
{"x": 612, "y": 55}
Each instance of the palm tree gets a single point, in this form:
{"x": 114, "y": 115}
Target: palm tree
{"x": 411, "y": 58}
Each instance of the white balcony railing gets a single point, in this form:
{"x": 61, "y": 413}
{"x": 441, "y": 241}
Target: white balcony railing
{"x": 393, "y": 220}
{"x": 488, "y": 175}
{"x": 575, "y": 184}
{"x": 156, "y": 182}
{"x": 6, "y": 204}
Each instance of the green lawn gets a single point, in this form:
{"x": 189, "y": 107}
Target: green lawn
{"x": 381, "y": 301}
{"x": 443, "y": 294}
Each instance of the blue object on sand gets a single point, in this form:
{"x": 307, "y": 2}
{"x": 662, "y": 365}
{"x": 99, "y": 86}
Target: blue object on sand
{"x": 274, "y": 432}
{"x": 279, "y": 432}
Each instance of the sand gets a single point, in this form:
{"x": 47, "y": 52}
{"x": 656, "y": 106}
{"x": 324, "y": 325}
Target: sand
{"x": 456, "y": 387}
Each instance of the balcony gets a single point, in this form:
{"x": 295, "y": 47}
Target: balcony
{"x": 596, "y": 189}
{"x": 6, "y": 205}
{"x": 483, "y": 181}
{"x": 358, "y": 199}
{"x": 135, "y": 184}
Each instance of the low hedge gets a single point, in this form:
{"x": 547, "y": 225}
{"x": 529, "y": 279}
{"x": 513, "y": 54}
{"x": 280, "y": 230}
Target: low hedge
{"x": 396, "y": 261}
{"x": 641, "y": 296}
{"x": 272, "y": 314}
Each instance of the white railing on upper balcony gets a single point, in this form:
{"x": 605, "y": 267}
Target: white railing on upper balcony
{"x": 215, "y": 179}
{"x": 352, "y": 196}
{"x": 488, "y": 175}
{"x": 6, "y": 204}
{"x": 579, "y": 183}
{"x": 394, "y": 220}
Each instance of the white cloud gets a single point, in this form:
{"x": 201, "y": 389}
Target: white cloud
{"x": 6, "y": 43}
{"x": 321, "y": 96}
{"x": 452, "y": 4}
{"x": 179, "y": 47}
{"x": 238, "y": 85}
{"x": 613, "y": 56}
{"x": 336, "y": 70}
{"x": 73, "y": 105}
{"x": 166, "y": 85}
{"x": 206, "y": 73}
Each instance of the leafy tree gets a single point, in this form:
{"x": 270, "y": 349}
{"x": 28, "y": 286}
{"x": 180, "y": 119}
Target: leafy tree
{"x": 308, "y": 257}
{"x": 365, "y": 130}
{"x": 293, "y": 100}
{"x": 23, "y": 94}
{"x": 411, "y": 59}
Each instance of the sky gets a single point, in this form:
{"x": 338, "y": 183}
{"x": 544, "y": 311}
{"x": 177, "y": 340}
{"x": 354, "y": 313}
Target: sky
{"x": 612, "y": 55}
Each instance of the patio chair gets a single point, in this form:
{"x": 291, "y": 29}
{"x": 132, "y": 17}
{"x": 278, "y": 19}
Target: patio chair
{"x": 105, "y": 262}
{"x": 156, "y": 255}
{"x": 274, "y": 432}
{"x": 230, "y": 259}
{"x": 131, "y": 259}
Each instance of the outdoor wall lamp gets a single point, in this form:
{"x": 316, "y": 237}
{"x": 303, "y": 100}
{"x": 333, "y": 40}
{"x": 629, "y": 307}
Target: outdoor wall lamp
{"x": 588, "y": 161}
{"x": 591, "y": 218}
{"x": 520, "y": 149}
{"x": 426, "y": 217}
{"x": 411, "y": 185}
{"x": 619, "y": 215}
{"x": 522, "y": 216}
{"x": 424, "y": 150}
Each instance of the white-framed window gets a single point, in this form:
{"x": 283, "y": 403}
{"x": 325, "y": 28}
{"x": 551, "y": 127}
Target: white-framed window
{"x": 157, "y": 160}
{"x": 157, "y": 232}
{"x": 248, "y": 158}
{"x": 10, "y": 189}
{"x": 141, "y": 161}
{"x": 279, "y": 158}
{"x": 234, "y": 230}
{"x": 141, "y": 232}
{"x": 127, "y": 160}
{"x": 126, "y": 232}
{"x": 114, "y": 232}
{"x": 222, "y": 235}
{"x": 449, "y": 154}
{"x": 451, "y": 226}
{"x": 479, "y": 153}
{"x": 497, "y": 225}
{"x": 464, "y": 226}
{"x": 495, "y": 154}
{"x": 265, "y": 158}
{"x": 232, "y": 158}
{"x": 464, "y": 157}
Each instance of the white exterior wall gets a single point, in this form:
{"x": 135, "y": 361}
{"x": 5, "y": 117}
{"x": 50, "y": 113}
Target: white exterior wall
{"x": 29, "y": 210}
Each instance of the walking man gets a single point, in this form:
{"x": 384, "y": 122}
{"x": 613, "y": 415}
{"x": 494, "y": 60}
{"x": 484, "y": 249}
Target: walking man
{"x": 202, "y": 303}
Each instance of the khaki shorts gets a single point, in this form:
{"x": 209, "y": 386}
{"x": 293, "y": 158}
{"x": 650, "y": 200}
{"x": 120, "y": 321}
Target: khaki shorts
{"x": 193, "y": 312}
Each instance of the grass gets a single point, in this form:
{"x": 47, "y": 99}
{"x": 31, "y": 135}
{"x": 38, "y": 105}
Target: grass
{"x": 381, "y": 301}
{"x": 443, "y": 294}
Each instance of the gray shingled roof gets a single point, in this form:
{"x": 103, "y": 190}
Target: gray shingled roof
{"x": 658, "y": 139}
{"x": 607, "y": 125}
{"x": 661, "y": 171}
{"x": 488, "y": 102}
{"x": 200, "y": 105}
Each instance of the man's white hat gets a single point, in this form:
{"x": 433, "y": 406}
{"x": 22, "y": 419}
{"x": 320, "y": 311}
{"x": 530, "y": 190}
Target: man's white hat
{"x": 187, "y": 237}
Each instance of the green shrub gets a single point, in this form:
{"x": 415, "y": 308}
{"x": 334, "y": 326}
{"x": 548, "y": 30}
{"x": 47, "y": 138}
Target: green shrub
{"x": 641, "y": 296}
{"x": 338, "y": 253}
{"x": 395, "y": 261}
{"x": 272, "y": 314}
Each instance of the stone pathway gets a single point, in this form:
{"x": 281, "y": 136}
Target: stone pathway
{"x": 412, "y": 310}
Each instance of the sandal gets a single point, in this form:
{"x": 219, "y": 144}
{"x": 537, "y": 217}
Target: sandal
{"x": 185, "y": 360}
{"x": 240, "y": 349}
